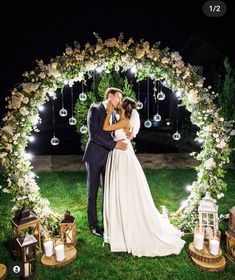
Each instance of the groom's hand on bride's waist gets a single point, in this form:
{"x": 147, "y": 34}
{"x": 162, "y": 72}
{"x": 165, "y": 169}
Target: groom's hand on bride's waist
{"x": 121, "y": 145}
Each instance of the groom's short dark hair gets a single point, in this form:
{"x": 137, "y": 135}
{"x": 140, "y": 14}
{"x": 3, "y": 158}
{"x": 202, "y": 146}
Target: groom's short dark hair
{"x": 112, "y": 90}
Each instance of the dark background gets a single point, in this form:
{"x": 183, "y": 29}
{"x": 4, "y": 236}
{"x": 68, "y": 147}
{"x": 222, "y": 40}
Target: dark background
{"x": 42, "y": 30}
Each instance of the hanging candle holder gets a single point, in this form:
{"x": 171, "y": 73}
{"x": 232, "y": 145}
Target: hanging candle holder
{"x": 161, "y": 95}
{"x": 82, "y": 95}
{"x": 139, "y": 104}
{"x": 148, "y": 123}
{"x": 63, "y": 112}
{"x": 176, "y": 135}
{"x": 54, "y": 140}
{"x": 157, "y": 117}
{"x": 83, "y": 129}
{"x": 72, "y": 120}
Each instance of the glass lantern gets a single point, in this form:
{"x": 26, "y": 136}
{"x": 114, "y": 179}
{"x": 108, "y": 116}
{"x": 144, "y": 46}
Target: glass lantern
{"x": 26, "y": 253}
{"x": 68, "y": 229}
{"x": 26, "y": 222}
{"x": 232, "y": 220}
{"x": 208, "y": 215}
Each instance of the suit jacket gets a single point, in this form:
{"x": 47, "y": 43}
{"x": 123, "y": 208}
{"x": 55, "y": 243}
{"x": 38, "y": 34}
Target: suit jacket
{"x": 100, "y": 142}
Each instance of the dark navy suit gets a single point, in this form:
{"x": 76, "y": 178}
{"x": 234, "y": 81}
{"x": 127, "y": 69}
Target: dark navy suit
{"x": 99, "y": 144}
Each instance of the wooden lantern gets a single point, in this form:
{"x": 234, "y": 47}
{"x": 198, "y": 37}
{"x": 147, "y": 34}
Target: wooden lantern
{"x": 232, "y": 219}
{"x": 26, "y": 222}
{"x": 208, "y": 215}
{"x": 26, "y": 253}
{"x": 68, "y": 229}
{"x": 230, "y": 236}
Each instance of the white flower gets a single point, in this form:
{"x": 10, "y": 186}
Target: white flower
{"x": 8, "y": 129}
{"x": 24, "y": 111}
{"x": 208, "y": 128}
{"x": 176, "y": 56}
{"x": 209, "y": 164}
{"x": 42, "y": 75}
{"x": 221, "y": 145}
{"x": 193, "y": 97}
{"x": 69, "y": 51}
{"x": 220, "y": 195}
{"x": 29, "y": 87}
{"x": 52, "y": 70}
{"x": 165, "y": 60}
{"x": 5, "y": 190}
{"x": 25, "y": 100}
{"x": 90, "y": 66}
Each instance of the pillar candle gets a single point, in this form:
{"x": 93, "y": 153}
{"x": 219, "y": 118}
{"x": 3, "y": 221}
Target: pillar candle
{"x": 198, "y": 241}
{"x": 59, "y": 252}
{"x": 214, "y": 247}
{"x": 48, "y": 247}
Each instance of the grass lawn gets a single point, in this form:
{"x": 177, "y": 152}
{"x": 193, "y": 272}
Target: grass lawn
{"x": 67, "y": 191}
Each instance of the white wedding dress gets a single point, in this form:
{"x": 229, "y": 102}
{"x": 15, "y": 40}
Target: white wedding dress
{"x": 132, "y": 223}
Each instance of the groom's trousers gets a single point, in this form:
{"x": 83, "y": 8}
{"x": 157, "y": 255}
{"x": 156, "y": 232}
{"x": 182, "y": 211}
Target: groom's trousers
{"x": 95, "y": 177}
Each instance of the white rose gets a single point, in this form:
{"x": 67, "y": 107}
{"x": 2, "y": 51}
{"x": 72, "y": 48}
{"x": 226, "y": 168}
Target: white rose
{"x": 209, "y": 164}
{"x": 221, "y": 145}
{"x": 24, "y": 111}
{"x": 25, "y": 100}
{"x": 192, "y": 97}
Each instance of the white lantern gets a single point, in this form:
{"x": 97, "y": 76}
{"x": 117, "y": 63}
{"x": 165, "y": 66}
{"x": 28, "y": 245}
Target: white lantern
{"x": 208, "y": 215}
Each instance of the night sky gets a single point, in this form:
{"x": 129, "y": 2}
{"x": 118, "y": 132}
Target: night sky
{"x": 41, "y": 31}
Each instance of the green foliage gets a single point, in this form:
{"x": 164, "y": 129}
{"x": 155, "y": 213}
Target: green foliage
{"x": 227, "y": 96}
{"x": 99, "y": 86}
{"x": 227, "y": 99}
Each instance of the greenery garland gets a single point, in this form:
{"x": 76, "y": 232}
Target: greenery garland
{"x": 73, "y": 66}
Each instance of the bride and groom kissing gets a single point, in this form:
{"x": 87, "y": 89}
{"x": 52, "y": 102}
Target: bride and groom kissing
{"x": 131, "y": 221}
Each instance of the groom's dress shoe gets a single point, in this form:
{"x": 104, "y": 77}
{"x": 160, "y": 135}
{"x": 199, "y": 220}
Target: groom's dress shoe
{"x": 97, "y": 231}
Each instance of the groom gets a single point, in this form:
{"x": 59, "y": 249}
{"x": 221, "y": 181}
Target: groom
{"x": 99, "y": 144}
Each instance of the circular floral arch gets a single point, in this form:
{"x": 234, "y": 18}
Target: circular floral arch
{"x": 76, "y": 63}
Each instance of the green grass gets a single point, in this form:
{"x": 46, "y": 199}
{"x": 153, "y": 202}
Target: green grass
{"x": 67, "y": 191}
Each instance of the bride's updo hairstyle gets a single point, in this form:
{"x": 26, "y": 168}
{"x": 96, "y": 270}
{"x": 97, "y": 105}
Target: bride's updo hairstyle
{"x": 128, "y": 105}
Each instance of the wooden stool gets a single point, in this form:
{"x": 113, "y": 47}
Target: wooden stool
{"x": 70, "y": 255}
{"x": 3, "y": 271}
{"x": 204, "y": 260}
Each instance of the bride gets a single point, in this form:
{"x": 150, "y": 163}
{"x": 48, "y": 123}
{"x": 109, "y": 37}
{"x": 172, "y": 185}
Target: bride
{"x": 132, "y": 223}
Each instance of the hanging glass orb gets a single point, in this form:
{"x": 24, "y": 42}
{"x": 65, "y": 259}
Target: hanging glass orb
{"x": 161, "y": 95}
{"x": 82, "y": 96}
{"x": 72, "y": 121}
{"x": 83, "y": 129}
{"x": 139, "y": 105}
{"x": 63, "y": 112}
{"x": 176, "y": 136}
{"x": 55, "y": 141}
{"x": 148, "y": 123}
{"x": 157, "y": 117}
